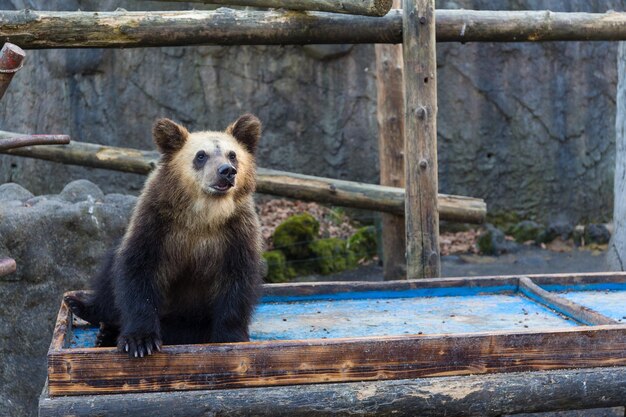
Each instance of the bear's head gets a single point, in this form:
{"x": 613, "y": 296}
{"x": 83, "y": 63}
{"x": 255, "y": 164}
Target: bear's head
{"x": 213, "y": 164}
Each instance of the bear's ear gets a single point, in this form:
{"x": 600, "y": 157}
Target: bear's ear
{"x": 247, "y": 131}
{"x": 169, "y": 136}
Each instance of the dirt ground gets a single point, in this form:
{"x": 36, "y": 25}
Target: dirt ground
{"x": 528, "y": 260}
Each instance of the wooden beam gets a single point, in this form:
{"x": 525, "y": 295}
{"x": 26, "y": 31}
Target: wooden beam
{"x": 121, "y": 29}
{"x": 566, "y": 307}
{"x": 286, "y": 184}
{"x": 79, "y": 371}
{"x": 390, "y": 116}
{"x": 357, "y": 7}
{"x": 7, "y": 266}
{"x": 29, "y": 140}
{"x": 420, "y": 139}
{"x": 453, "y": 396}
{"x": 11, "y": 58}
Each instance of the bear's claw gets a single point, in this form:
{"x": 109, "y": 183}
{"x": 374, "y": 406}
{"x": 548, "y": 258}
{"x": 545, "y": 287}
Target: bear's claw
{"x": 138, "y": 346}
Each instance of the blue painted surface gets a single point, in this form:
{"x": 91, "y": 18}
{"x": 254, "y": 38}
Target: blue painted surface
{"x": 600, "y": 286}
{"x": 418, "y": 292}
{"x": 388, "y": 313}
{"x": 397, "y": 316}
{"x": 609, "y": 303}
{"x": 83, "y": 336}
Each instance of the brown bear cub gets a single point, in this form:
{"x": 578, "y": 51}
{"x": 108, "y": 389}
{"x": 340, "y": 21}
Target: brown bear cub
{"x": 188, "y": 268}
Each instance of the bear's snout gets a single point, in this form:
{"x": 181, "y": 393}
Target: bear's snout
{"x": 227, "y": 172}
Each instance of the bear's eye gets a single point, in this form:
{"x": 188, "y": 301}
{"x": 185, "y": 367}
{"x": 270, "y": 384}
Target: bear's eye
{"x": 232, "y": 155}
{"x": 201, "y": 156}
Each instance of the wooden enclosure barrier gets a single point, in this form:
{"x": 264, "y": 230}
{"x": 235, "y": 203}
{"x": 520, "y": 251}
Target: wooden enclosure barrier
{"x": 40, "y": 30}
{"x": 286, "y": 184}
{"x": 390, "y": 117}
{"x": 418, "y": 26}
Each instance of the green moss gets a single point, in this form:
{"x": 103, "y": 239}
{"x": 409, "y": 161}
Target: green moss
{"x": 527, "y": 230}
{"x": 294, "y": 235}
{"x": 363, "y": 242}
{"x": 331, "y": 255}
{"x": 485, "y": 243}
{"x": 277, "y": 270}
{"x": 504, "y": 220}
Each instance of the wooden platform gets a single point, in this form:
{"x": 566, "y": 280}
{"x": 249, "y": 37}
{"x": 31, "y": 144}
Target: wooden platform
{"x": 314, "y": 333}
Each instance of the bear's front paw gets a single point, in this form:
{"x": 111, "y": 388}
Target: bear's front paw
{"x": 138, "y": 345}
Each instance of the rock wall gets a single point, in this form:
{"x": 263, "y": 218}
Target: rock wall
{"x": 528, "y": 127}
{"x": 58, "y": 242}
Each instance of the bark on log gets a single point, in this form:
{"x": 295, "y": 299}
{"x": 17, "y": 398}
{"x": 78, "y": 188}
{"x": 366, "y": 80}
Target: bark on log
{"x": 28, "y": 140}
{"x": 286, "y": 184}
{"x": 390, "y": 115}
{"x": 42, "y": 30}
{"x": 11, "y": 58}
{"x": 471, "y": 395}
{"x": 7, "y": 266}
{"x": 616, "y": 255}
{"x": 357, "y": 7}
{"x": 420, "y": 139}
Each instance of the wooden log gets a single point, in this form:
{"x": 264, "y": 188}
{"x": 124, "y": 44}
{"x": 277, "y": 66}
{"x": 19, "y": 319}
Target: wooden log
{"x": 7, "y": 266}
{"x": 11, "y": 58}
{"x": 390, "y": 116}
{"x": 42, "y": 30}
{"x": 580, "y": 313}
{"x": 453, "y": 396}
{"x": 420, "y": 139}
{"x": 78, "y": 371}
{"x": 29, "y": 140}
{"x": 286, "y": 184}
{"x": 357, "y": 7}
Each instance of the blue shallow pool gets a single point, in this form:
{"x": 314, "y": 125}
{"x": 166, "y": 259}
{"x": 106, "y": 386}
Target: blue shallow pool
{"x": 388, "y": 313}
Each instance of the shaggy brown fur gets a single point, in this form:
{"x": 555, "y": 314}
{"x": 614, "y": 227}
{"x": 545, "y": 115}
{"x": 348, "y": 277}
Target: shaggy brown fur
{"x": 188, "y": 267}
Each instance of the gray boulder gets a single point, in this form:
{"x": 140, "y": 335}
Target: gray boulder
{"x": 58, "y": 243}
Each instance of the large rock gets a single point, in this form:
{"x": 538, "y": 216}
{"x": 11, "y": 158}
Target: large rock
{"x": 498, "y": 104}
{"x": 58, "y": 245}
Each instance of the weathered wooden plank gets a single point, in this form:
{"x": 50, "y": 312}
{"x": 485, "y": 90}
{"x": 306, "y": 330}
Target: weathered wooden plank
{"x": 286, "y": 184}
{"x": 468, "y": 395}
{"x": 420, "y": 139}
{"x": 357, "y": 7}
{"x": 255, "y": 364}
{"x": 41, "y": 30}
{"x": 579, "y": 313}
{"x": 29, "y": 140}
{"x": 390, "y": 116}
{"x": 11, "y": 58}
{"x": 7, "y": 266}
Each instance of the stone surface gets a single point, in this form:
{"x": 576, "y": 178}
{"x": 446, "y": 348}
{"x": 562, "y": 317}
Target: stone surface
{"x": 493, "y": 242}
{"x": 57, "y": 245}
{"x": 528, "y": 127}
{"x": 14, "y": 192}
{"x": 597, "y": 233}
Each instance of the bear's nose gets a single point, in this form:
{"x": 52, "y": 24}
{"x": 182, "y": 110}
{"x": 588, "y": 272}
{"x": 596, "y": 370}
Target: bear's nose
{"x": 226, "y": 171}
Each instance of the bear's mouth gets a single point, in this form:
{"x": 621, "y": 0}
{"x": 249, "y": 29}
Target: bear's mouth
{"x": 222, "y": 185}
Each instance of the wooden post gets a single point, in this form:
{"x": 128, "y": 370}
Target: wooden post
{"x": 420, "y": 139}
{"x": 390, "y": 114}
